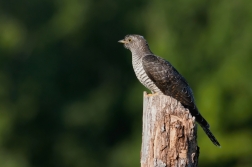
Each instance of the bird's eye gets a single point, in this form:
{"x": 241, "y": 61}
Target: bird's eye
{"x": 129, "y": 39}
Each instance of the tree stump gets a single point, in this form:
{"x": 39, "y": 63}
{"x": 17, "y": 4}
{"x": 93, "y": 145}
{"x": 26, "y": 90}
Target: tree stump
{"x": 169, "y": 137}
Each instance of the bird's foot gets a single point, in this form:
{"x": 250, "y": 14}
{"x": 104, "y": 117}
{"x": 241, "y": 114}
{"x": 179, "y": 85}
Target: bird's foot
{"x": 153, "y": 94}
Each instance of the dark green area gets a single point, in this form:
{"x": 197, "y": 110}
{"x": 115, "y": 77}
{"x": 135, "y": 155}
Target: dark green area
{"x": 68, "y": 94}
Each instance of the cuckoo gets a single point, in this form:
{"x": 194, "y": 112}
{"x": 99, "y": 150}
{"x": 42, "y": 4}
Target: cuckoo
{"x": 159, "y": 76}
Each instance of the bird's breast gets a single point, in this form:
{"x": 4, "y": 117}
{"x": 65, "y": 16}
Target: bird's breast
{"x": 142, "y": 76}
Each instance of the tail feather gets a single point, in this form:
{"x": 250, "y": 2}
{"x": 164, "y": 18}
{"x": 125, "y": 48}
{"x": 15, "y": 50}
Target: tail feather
{"x": 211, "y": 136}
{"x": 205, "y": 126}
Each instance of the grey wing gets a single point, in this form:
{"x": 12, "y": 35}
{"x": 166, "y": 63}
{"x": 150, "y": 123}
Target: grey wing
{"x": 168, "y": 80}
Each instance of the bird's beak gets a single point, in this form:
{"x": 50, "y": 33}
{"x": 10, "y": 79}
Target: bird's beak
{"x": 122, "y": 41}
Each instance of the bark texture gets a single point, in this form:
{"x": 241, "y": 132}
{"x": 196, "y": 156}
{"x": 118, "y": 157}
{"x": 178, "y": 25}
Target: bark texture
{"x": 169, "y": 137}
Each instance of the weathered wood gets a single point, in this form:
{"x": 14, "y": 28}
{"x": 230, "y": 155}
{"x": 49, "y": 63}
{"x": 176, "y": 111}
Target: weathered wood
{"x": 169, "y": 137}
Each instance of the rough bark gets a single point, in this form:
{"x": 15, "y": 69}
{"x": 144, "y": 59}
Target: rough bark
{"x": 169, "y": 137}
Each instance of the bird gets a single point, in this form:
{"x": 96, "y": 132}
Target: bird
{"x": 159, "y": 76}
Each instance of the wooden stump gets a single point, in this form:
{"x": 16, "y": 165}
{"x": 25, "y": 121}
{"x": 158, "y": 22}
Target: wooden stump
{"x": 169, "y": 137}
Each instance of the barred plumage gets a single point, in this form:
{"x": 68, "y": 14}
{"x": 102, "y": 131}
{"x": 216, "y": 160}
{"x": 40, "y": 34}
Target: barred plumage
{"x": 142, "y": 76}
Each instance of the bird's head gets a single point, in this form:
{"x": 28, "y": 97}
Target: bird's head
{"x": 135, "y": 43}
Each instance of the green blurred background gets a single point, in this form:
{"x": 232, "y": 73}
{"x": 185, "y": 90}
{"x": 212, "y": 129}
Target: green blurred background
{"x": 68, "y": 93}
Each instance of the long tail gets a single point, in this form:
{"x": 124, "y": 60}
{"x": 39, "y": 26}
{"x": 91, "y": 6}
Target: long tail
{"x": 205, "y": 126}
{"x": 211, "y": 136}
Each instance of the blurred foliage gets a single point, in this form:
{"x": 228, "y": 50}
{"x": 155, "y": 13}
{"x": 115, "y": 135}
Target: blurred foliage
{"x": 69, "y": 97}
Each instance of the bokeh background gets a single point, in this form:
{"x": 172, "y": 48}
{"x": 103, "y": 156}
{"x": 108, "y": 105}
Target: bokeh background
{"x": 69, "y": 96}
